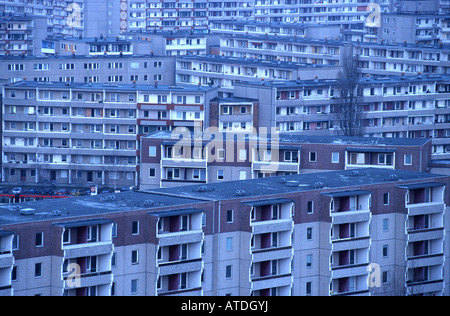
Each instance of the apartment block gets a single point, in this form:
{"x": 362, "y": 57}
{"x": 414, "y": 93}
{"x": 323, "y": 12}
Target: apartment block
{"x": 64, "y": 18}
{"x": 113, "y": 68}
{"x": 394, "y": 106}
{"x": 87, "y": 133}
{"x": 217, "y": 156}
{"x": 21, "y": 35}
{"x": 378, "y": 59}
{"x": 338, "y": 233}
{"x": 224, "y": 72}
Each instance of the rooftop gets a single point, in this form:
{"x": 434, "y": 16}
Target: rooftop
{"x": 397, "y": 79}
{"x": 309, "y": 139}
{"x": 343, "y": 180}
{"x": 182, "y": 198}
{"x": 75, "y": 207}
{"x": 109, "y": 86}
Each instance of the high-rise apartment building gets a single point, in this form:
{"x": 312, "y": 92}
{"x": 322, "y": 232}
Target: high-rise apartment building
{"x": 77, "y": 133}
{"x": 371, "y": 232}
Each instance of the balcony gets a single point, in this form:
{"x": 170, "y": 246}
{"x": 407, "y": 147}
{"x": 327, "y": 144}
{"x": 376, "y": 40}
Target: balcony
{"x": 271, "y": 253}
{"x": 167, "y": 238}
{"x": 349, "y": 270}
{"x": 183, "y": 163}
{"x": 271, "y": 166}
{"x": 88, "y": 249}
{"x": 180, "y": 266}
{"x": 270, "y": 226}
{"x": 425, "y": 208}
{"x": 88, "y": 279}
{"x": 271, "y": 281}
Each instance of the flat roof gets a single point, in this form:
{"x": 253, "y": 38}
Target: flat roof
{"x": 180, "y": 200}
{"x": 343, "y": 180}
{"x": 70, "y": 209}
{"x": 109, "y": 86}
{"x": 424, "y": 185}
{"x": 267, "y": 202}
{"x": 287, "y": 139}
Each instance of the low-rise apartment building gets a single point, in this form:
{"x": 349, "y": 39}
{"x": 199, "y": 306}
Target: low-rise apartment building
{"x": 334, "y": 233}
{"x": 216, "y": 156}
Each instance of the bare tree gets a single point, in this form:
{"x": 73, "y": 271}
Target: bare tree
{"x": 348, "y": 110}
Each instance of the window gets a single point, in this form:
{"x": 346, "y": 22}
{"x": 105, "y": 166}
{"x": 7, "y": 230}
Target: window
{"x": 66, "y": 236}
{"x": 385, "y": 159}
{"x": 184, "y": 223}
{"x": 385, "y": 251}
{"x": 229, "y": 216}
{"x": 308, "y": 288}
{"x": 309, "y": 233}
{"x": 312, "y": 156}
{"x": 92, "y": 234}
{"x": 310, "y": 207}
{"x": 335, "y": 157}
{"x": 386, "y": 199}
{"x": 385, "y": 224}
{"x": 135, "y": 228}
{"x": 309, "y": 261}
{"x": 152, "y": 151}
{"x": 408, "y": 160}
{"x": 152, "y": 172}
{"x": 229, "y": 245}
{"x": 385, "y": 277}
{"x": 228, "y": 272}
{"x": 38, "y": 270}
{"x": 134, "y": 257}
{"x": 15, "y": 244}
{"x": 220, "y": 175}
{"x": 39, "y": 239}
{"x": 134, "y": 286}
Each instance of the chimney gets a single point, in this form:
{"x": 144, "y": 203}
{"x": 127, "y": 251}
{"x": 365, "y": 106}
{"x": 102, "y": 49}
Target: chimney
{"x": 403, "y": 76}
{"x": 156, "y": 84}
{"x": 316, "y": 79}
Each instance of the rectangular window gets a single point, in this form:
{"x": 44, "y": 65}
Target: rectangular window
{"x": 134, "y": 286}
{"x": 134, "y": 257}
{"x": 385, "y": 224}
{"x": 135, "y": 228}
{"x": 309, "y": 233}
{"x": 335, "y": 157}
{"x": 220, "y": 175}
{"x": 39, "y": 239}
{"x": 229, "y": 245}
{"x": 152, "y": 151}
{"x": 386, "y": 199}
{"x": 312, "y": 156}
{"x": 38, "y": 270}
{"x": 229, "y": 216}
{"x": 408, "y": 159}
{"x": 228, "y": 272}
{"x": 309, "y": 261}
{"x": 310, "y": 207}
{"x": 385, "y": 251}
